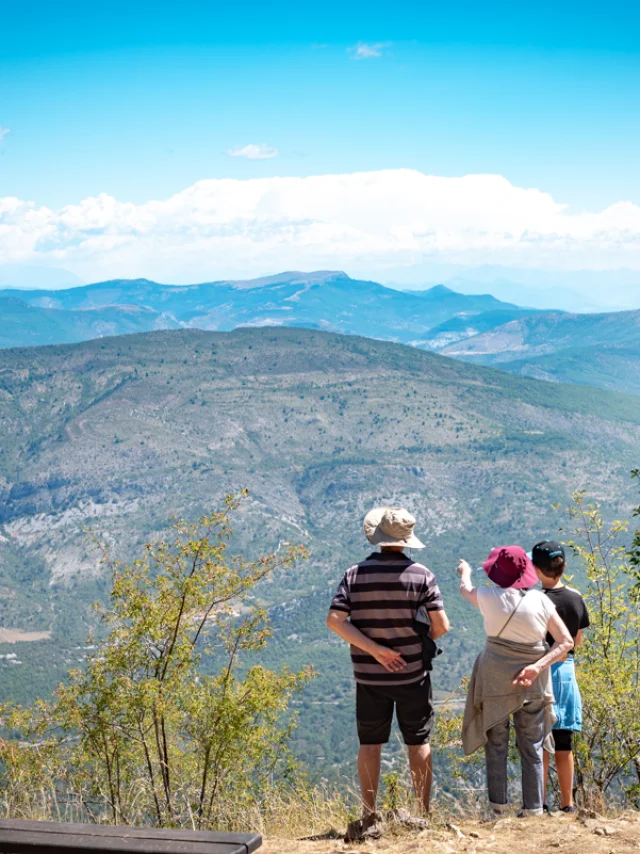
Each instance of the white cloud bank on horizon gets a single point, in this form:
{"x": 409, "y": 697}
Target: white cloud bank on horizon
{"x": 253, "y": 152}
{"x": 366, "y": 223}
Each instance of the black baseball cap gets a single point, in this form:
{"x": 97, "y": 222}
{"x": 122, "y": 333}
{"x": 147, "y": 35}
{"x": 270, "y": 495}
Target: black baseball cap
{"x": 542, "y": 554}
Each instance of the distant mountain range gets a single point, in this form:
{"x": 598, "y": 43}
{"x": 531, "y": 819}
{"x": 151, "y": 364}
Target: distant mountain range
{"x": 594, "y": 349}
{"x": 331, "y": 301}
{"x": 557, "y": 290}
{"x": 31, "y": 276}
{"x": 23, "y": 324}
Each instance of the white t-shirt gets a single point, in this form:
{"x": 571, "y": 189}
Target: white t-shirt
{"x": 529, "y": 623}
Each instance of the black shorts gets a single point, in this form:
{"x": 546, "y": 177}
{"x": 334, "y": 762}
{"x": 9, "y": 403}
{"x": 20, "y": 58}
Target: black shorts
{"x": 414, "y": 710}
{"x": 563, "y": 739}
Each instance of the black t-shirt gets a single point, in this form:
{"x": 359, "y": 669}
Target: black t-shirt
{"x": 571, "y": 610}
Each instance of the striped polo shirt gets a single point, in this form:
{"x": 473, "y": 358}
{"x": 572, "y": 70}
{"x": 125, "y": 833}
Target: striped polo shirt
{"x": 382, "y": 595}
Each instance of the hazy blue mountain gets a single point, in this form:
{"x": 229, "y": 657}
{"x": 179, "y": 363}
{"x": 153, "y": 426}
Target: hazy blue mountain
{"x": 462, "y": 327}
{"x": 446, "y": 298}
{"x": 566, "y": 290}
{"x": 322, "y": 300}
{"x": 548, "y": 297}
{"x": 31, "y": 276}
{"x": 22, "y": 324}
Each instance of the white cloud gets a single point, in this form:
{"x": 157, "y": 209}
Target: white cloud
{"x": 366, "y": 223}
{"x": 253, "y": 152}
{"x": 368, "y": 51}
{"x": 3, "y": 132}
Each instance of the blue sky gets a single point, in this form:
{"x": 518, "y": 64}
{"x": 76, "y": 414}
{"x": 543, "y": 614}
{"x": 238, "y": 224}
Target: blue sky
{"x": 140, "y": 100}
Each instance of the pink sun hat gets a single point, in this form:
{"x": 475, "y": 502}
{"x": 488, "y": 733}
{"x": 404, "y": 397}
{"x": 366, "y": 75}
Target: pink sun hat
{"x": 509, "y": 566}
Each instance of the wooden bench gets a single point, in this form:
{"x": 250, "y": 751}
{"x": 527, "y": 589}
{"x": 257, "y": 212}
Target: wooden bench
{"x": 33, "y": 837}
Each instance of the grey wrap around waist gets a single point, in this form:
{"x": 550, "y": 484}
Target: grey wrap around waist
{"x": 492, "y": 696}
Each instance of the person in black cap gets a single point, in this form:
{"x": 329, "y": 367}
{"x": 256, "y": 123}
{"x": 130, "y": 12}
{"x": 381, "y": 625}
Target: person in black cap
{"x": 550, "y": 563}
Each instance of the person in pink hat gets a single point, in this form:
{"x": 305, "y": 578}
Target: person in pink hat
{"x": 511, "y": 677}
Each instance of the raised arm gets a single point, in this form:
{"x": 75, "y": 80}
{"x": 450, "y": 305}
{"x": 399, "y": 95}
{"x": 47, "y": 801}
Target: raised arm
{"x": 563, "y": 644}
{"x": 338, "y": 622}
{"x": 466, "y": 587}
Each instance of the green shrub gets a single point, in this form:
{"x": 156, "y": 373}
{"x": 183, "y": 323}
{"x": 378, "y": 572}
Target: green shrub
{"x": 142, "y": 735}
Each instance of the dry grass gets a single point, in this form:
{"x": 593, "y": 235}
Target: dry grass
{"x": 547, "y": 835}
{"x": 313, "y": 821}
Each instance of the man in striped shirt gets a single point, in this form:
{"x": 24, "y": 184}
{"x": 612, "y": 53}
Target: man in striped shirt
{"x": 374, "y": 610}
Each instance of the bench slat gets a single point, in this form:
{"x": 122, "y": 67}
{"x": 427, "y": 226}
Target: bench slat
{"x": 26, "y": 842}
{"x": 251, "y": 840}
{"x": 28, "y": 837}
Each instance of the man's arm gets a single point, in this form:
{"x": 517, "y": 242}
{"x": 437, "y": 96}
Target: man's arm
{"x": 338, "y": 622}
{"x": 439, "y": 624}
{"x": 431, "y": 602}
{"x": 579, "y": 638}
{"x": 466, "y": 587}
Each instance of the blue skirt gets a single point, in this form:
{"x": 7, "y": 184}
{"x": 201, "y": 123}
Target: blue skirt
{"x": 568, "y": 702}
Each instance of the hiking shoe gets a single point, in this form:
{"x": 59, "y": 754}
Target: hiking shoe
{"x": 372, "y": 826}
{"x": 545, "y": 809}
{"x": 354, "y": 831}
{"x": 404, "y": 818}
{"x": 568, "y": 809}
{"x": 367, "y": 827}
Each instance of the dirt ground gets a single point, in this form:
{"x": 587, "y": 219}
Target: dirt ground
{"x": 583, "y": 834}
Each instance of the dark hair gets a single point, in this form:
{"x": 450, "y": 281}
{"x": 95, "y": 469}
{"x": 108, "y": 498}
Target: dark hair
{"x": 556, "y": 567}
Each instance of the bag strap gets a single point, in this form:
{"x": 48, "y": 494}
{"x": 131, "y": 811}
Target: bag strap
{"x": 512, "y": 614}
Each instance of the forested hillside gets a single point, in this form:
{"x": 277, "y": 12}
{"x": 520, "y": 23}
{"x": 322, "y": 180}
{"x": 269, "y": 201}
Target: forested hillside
{"x": 600, "y": 350}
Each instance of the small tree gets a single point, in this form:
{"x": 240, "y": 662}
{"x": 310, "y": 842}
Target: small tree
{"x": 608, "y": 665}
{"x": 634, "y": 551}
{"x": 160, "y": 727}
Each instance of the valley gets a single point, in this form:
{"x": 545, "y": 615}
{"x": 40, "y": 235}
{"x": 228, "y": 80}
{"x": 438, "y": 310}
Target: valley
{"x": 115, "y": 437}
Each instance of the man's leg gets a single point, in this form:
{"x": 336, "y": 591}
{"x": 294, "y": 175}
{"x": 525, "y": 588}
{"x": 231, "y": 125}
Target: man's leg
{"x": 369, "y": 775}
{"x": 414, "y": 708}
{"x": 374, "y": 715}
{"x": 421, "y": 764}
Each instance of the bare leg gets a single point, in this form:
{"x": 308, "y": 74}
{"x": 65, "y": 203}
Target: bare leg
{"x": 421, "y": 764}
{"x": 546, "y": 760}
{"x": 369, "y": 774}
{"x": 564, "y": 766}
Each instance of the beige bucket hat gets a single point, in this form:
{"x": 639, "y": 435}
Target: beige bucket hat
{"x": 391, "y": 526}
